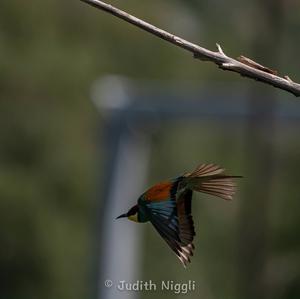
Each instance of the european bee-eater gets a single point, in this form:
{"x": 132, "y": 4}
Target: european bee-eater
{"x": 167, "y": 205}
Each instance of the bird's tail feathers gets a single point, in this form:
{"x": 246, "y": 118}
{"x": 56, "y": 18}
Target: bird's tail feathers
{"x": 211, "y": 179}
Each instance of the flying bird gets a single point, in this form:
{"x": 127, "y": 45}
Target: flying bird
{"x": 168, "y": 205}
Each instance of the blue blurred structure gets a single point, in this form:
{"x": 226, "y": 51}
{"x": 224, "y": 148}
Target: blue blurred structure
{"x": 131, "y": 113}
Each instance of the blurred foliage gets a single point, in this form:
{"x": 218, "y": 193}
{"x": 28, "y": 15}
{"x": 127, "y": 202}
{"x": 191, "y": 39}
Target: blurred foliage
{"x": 50, "y": 53}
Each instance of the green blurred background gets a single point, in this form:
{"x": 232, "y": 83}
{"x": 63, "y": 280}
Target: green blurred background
{"x": 50, "y": 54}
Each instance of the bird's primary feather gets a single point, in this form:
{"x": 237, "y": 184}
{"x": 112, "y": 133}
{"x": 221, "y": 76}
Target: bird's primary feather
{"x": 164, "y": 217}
{"x": 185, "y": 219}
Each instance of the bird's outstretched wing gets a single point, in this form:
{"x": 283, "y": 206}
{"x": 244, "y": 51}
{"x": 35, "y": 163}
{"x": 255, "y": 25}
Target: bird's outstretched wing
{"x": 173, "y": 227}
{"x": 185, "y": 219}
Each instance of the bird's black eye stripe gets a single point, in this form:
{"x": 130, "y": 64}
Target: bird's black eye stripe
{"x": 133, "y": 211}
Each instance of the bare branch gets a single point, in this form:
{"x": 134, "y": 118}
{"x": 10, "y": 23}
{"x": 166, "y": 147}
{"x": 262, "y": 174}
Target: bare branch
{"x": 243, "y": 65}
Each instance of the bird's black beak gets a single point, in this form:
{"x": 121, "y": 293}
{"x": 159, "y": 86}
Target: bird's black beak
{"x": 122, "y": 216}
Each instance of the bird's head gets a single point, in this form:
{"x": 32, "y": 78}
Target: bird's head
{"x": 132, "y": 214}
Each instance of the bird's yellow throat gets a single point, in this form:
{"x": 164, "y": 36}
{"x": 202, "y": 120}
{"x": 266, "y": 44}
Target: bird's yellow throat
{"x": 133, "y": 217}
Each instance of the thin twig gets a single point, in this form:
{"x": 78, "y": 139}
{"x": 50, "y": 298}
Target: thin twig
{"x": 243, "y": 65}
